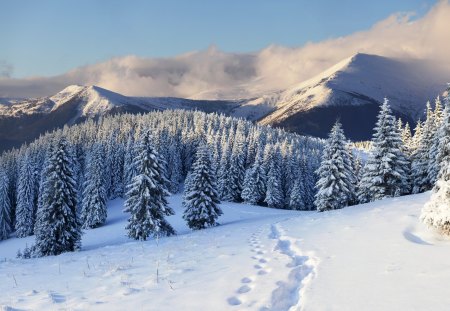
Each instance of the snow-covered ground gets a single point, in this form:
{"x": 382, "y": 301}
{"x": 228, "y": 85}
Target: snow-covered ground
{"x": 375, "y": 256}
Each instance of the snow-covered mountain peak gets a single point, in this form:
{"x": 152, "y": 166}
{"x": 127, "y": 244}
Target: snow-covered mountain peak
{"x": 363, "y": 79}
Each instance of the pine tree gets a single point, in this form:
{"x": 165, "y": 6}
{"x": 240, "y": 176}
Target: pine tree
{"x": 436, "y": 212}
{"x": 274, "y": 194}
{"x": 336, "y": 180}
{"x": 296, "y": 201}
{"x": 421, "y": 160}
{"x": 416, "y": 139}
{"x": 25, "y": 209}
{"x": 94, "y": 212}
{"x": 146, "y": 197}
{"x": 174, "y": 167}
{"x": 236, "y": 172}
{"x": 5, "y": 207}
{"x": 222, "y": 182}
{"x": 309, "y": 179}
{"x": 443, "y": 152}
{"x": 387, "y": 169}
{"x": 254, "y": 189}
{"x": 433, "y": 166}
{"x": 129, "y": 170}
{"x": 201, "y": 201}
{"x": 57, "y": 226}
{"x": 407, "y": 139}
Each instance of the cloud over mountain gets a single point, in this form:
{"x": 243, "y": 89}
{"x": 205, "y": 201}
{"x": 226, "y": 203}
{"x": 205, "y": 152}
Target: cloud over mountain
{"x": 215, "y": 74}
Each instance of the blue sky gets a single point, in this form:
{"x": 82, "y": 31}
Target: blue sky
{"x": 50, "y": 37}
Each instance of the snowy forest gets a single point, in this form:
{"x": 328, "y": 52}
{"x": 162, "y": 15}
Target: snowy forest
{"x": 59, "y": 185}
{"x": 150, "y": 156}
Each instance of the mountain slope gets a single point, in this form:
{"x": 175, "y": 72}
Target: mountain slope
{"x": 375, "y": 256}
{"x": 352, "y": 91}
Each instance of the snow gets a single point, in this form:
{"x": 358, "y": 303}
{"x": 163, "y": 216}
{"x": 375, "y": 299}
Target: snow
{"x": 362, "y": 78}
{"x": 376, "y": 256}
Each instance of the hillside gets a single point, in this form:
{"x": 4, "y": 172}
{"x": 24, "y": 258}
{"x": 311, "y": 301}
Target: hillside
{"x": 375, "y": 256}
{"x": 352, "y": 91}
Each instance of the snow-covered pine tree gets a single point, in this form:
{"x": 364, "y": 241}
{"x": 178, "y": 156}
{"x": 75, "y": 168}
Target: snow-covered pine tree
{"x": 387, "y": 169}
{"x": 309, "y": 180}
{"x": 93, "y": 210}
{"x": 236, "y": 171}
{"x": 417, "y": 137}
{"x": 5, "y": 207}
{"x": 443, "y": 153}
{"x": 407, "y": 139}
{"x": 114, "y": 161}
{"x": 274, "y": 193}
{"x": 224, "y": 165}
{"x": 57, "y": 227}
{"x": 117, "y": 183}
{"x": 421, "y": 160}
{"x": 335, "y": 187}
{"x": 254, "y": 189}
{"x": 201, "y": 200}
{"x": 146, "y": 197}
{"x": 436, "y": 212}
{"x": 296, "y": 201}
{"x": 129, "y": 171}
{"x": 174, "y": 167}
{"x": 25, "y": 209}
{"x": 433, "y": 166}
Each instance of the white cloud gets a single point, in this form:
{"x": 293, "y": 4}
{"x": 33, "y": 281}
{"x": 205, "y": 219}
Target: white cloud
{"x": 205, "y": 73}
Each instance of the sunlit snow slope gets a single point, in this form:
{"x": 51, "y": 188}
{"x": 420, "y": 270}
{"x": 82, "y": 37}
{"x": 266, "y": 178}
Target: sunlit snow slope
{"x": 375, "y": 256}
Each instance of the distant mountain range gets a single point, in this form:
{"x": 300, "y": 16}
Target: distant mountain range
{"x": 351, "y": 91}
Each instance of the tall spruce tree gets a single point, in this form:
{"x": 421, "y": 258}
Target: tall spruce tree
{"x": 254, "y": 189}
{"x": 174, "y": 167}
{"x": 5, "y": 207}
{"x": 201, "y": 200}
{"x": 443, "y": 152}
{"x": 57, "y": 227}
{"x": 421, "y": 160}
{"x": 436, "y": 212}
{"x": 146, "y": 197}
{"x": 335, "y": 187}
{"x": 93, "y": 211}
{"x": 25, "y": 209}
{"x": 296, "y": 200}
{"x": 236, "y": 172}
{"x": 274, "y": 193}
{"x": 129, "y": 171}
{"x": 387, "y": 169}
{"x": 434, "y": 165}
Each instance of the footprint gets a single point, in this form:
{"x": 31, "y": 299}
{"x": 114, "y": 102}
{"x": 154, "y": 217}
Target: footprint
{"x": 261, "y": 252}
{"x": 244, "y": 289}
{"x": 263, "y": 260}
{"x": 258, "y": 267}
{"x": 246, "y": 280}
{"x": 234, "y": 301}
{"x": 262, "y": 272}
{"x": 57, "y": 298}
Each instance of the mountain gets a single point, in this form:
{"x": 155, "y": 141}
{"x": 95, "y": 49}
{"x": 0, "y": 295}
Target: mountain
{"x": 25, "y": 120}
{"x": 351, "y": 90}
